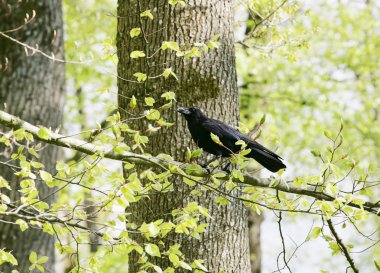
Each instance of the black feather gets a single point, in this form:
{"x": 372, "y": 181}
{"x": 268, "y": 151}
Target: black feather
{"x": 201, "y": 128}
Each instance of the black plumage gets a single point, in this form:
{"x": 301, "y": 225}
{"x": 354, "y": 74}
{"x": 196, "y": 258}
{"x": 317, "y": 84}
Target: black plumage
{"x": 201, "y": 127}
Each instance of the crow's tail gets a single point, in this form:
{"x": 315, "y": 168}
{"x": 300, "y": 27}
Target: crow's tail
{"x": 265, "y": 157}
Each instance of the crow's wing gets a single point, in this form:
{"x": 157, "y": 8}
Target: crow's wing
{"x": 257, "y": 146}
{"x": 228, "y": 136}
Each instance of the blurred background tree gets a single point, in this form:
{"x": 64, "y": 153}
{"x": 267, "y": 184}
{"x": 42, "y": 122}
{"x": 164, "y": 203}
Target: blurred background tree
{"x": 306, "y": 73}
{"x": 32, "y": 87}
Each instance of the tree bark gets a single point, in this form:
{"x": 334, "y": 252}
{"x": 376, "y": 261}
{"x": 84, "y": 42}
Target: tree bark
{"x": 208, "y": 82}
{"x": 31, "y": 87}
{"x": 254, "y": 225}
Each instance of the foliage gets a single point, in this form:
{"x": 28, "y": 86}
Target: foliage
{"x": 329, "y": 81}
{"x": 320, "y": 100}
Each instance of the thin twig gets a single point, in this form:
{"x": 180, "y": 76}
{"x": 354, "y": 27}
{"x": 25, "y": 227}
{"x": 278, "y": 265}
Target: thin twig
{"x": 342, "y": 247}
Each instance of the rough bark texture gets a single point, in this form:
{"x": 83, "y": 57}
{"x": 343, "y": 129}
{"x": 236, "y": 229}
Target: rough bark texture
{"x": 33, "y": 89}
{"x": 208, "y": 82}
{"x": 254, "y": 223}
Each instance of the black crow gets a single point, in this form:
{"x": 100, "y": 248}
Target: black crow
{"x": 201, "y": 128}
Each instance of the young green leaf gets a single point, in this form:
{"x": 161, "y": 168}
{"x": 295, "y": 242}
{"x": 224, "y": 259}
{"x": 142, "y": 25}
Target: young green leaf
{"x": 47, "y": 177}
{"x": 168, "y": 95}
{"x": 33, "y": 257}
{"x": 216, "y": 139}
{"x": 135, "y": 32}
{"x": 147, "y": 13}
{"x": 141, "y": 77}
{"x": 153, "y": 114}
{"x": 22, "y": 224}
{"x": 137, "y": 54}
{"x": 4, "y": 183}
{"x": 149, "y": 101}
{"x": 44, "y": 133}
{"x": 133, "y": 102}
{"x": 153, "y": 250}
{"x": 170, "y": 45}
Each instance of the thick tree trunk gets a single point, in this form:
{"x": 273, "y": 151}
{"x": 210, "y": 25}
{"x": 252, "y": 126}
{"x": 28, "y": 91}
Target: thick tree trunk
{"x": 33, "y": 89}
{"x": 208, "y": 82}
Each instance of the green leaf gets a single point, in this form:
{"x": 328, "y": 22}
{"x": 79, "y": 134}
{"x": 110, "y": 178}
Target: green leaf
{"x": 167, "y": 105}
{"x": 199, "y": 264}
{"x": 334, "y": 247}
{"x": 262, "y": 120}
{"x": 315, "y": 153}
{"x": 4, "y": 183}
{"x": 174, "y": 259}
{"x": 6, "y": 257}
{"x": 47, "y": 177}
{"x": 168, "y": 95}
{"x": 135, "y": 32}
{"x": 213, "y": 44}
{"x": 153, "y": 114}
{"x": 327, "y": 134}
{"x": 377, "y": 265}
{"x": 299, "y": 182}
{"x": 133, "y": 102}
{"x": 36, "y": 165}
{"x": 149, "y": 101}
{"x": 150, "y": 230}
{"x": 141, "y": 77}
{"x": 185, "y": 265}
{"x": 189, "y": 181}
{"x": 174, "y": 2}
{"x": 166, "y": 228}
{"x": 221, "y": 200}
{"x": 33, "y": 152}
{"x": 33, "y": 257}
{"x": 3, "y": 207}
{"x": 147, "y": 13}
{"x": 196, "y": 153}
{"x": 166, "y": 73}
{"x": 169, "y": 72}
{"x": 152, "y": 250}
{"x": 4, "y": 198}
{"x": 48, "y": 228}
{"x": 44, "y": 133}
{"x": 170, "y": 45}
{"x": 169, "y": 270}
{"x": 40, "y": 268}
{"x": 326, "y": 207}
{"x": 315, "y": 232}
{"x": 42, "y": 260}
{"x": 216, "y": 139}
{"x": 23, "y": 225}
{"x": 137, "y": 54}
{"x": 157, "y": 268}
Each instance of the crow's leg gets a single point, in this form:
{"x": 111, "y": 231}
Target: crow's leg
{"x": 206, "y": 165}
{"x": 213, "y": 159}
{"x": 227, "y": 168}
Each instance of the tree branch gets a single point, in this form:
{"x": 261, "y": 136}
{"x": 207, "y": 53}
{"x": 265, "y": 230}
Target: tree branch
{"x": 342, "y": 246}
{"x": 15, "y": 123}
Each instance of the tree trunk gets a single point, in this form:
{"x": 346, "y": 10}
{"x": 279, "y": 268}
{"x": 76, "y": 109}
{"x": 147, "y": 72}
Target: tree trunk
{"x": 254, "y": 225}
{"x": 208, "y": 82}
{"x": 31, "y": 87}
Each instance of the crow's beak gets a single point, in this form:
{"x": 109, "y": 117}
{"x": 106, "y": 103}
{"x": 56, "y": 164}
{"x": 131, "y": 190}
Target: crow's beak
{"x": 184, "y": 111}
